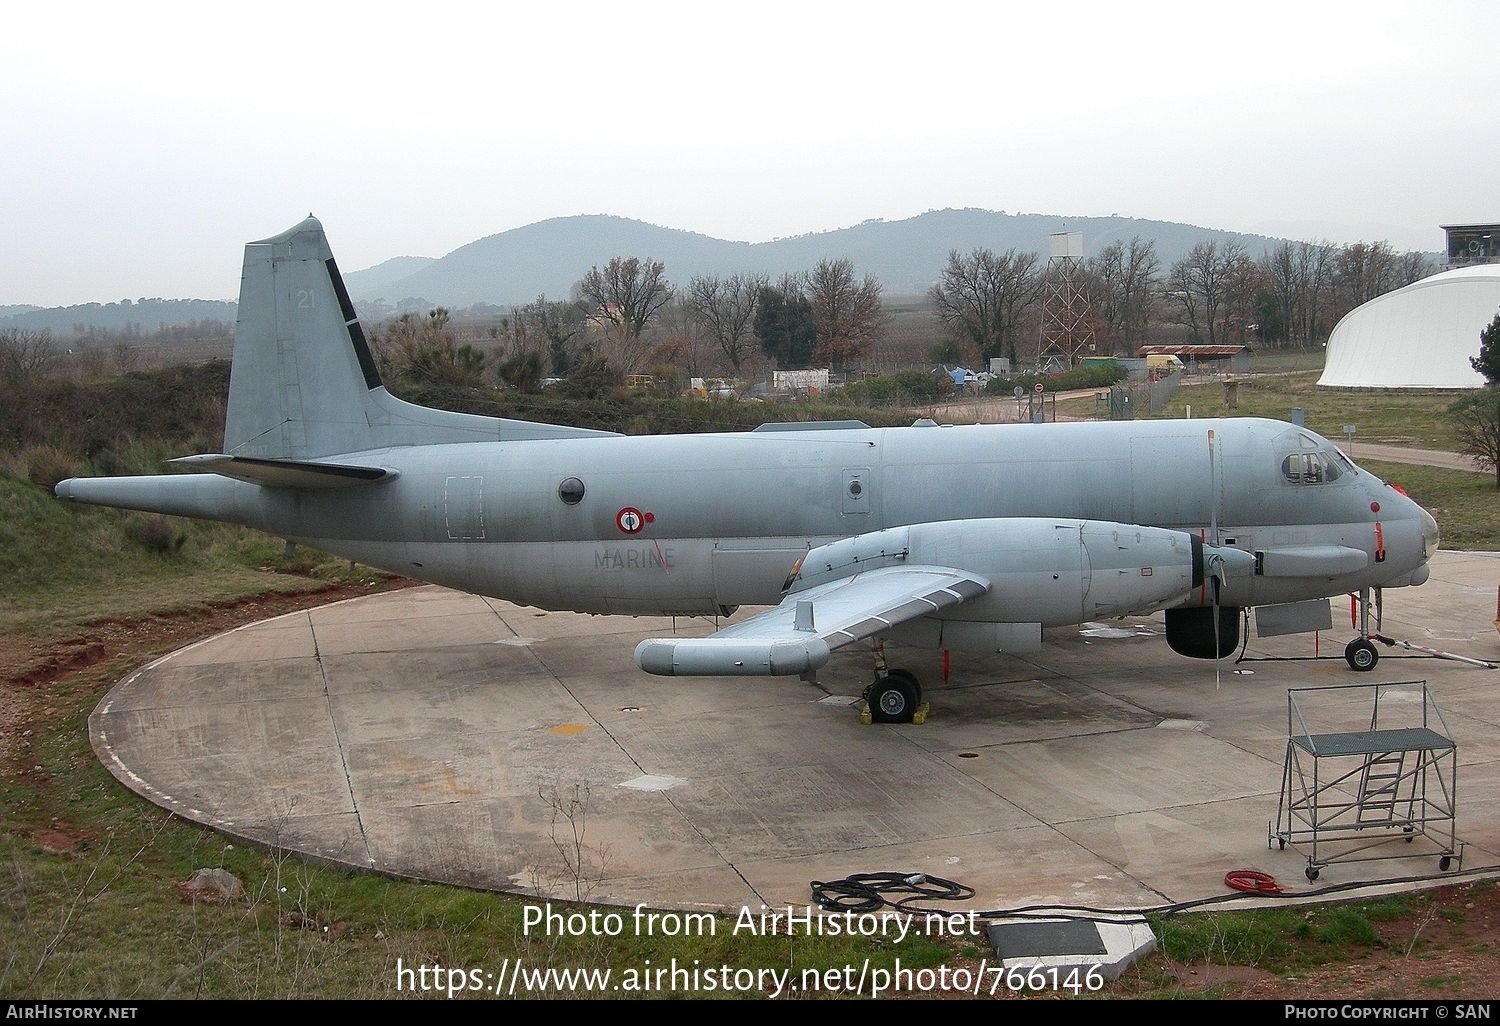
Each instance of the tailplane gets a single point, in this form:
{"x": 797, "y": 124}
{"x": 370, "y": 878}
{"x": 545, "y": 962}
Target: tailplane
{"x": 304, "y": 383}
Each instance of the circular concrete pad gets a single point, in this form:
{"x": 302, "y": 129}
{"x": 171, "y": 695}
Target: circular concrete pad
{"x": 441, "y": 736}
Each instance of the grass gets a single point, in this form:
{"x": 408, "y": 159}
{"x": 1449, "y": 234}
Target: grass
{"x": 1280, "y": 940}
{"x": 1416, "y": 419}
{"x": 63, "y": 566}
{"x": 1286, "y": 361}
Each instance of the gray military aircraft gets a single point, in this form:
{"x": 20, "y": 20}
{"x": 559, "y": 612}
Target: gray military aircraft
{"x": 960, "y": 538}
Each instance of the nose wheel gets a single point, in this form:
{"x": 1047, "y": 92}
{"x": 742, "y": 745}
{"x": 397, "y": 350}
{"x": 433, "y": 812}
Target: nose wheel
{"x": 1361, "y": 655}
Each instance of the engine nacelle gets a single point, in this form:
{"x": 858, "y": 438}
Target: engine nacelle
{"x": 1052, "y": 571}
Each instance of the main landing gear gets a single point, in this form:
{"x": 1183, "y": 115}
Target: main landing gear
{"x": 895, "y": 695}
{"x": 1361, "y": 653}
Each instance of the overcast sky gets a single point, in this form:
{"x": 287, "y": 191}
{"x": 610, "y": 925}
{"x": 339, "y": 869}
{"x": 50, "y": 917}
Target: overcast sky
{"x": 141, "y": 145}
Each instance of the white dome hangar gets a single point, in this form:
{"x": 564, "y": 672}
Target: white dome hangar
{"x": 1419, "y": 336}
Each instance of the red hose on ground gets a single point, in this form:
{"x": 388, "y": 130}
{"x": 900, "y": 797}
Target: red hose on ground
{"x": 1252, "y": 880}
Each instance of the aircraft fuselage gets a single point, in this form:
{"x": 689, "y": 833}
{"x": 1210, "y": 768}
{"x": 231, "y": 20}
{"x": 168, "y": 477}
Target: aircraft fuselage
{"x": 693, "y": 524}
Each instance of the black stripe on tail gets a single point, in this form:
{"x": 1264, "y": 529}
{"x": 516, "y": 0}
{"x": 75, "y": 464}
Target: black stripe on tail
{"x": 351, "y": 324}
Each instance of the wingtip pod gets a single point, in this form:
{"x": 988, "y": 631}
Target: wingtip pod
{"x": 709, "y": 657}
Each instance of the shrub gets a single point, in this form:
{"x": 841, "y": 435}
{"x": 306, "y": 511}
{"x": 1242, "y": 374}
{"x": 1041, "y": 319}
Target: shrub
{"x": 903, "y": 389}
{"x": 1082, "y": 376}
{"x": 45, "y": 466}
{"x": 156, "y": 534}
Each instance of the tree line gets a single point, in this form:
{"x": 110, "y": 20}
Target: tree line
{"x": 1292, "y": 295}
{"x": 624, "y": 317}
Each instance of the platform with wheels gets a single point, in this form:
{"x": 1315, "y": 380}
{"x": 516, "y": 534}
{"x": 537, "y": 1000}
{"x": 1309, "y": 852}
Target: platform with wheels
{"x": 1382, "y": 792}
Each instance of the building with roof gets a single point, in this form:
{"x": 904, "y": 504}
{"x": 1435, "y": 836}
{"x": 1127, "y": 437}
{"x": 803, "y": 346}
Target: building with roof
{"x": 1420, "y": 336}
{"x": 1204, "y": 359}
{"x": 1470, "y": 244}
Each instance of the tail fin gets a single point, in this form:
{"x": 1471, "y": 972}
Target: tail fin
{"x": 304, "y": 383}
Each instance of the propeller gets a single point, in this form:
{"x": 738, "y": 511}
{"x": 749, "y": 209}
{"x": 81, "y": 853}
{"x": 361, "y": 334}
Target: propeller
{"x": 1214, "y": 565}
{"x": 1217, "y": 569}
{"x": 1213, "y": 484}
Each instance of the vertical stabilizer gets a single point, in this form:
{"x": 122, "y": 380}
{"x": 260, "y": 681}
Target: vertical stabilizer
{"x": 304, "y": 383}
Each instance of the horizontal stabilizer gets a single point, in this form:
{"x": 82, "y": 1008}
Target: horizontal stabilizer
{"x": 287, "y": 473}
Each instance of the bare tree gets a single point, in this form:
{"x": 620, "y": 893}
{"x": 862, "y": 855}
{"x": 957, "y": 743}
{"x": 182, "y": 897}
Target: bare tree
{"x": 1315, "y": 284}
{"x": 124, "y": 357}
{"x": 726, "y": 307}
{"x": 1279, "y": 269}
{"x": 1201, "y": 285}
{"x": 845, "y": 311}
{"x": 1411, "y": 266}
{"x": 1242, "y": 284}
{"x": 981, "y": 298}
{"x": 1363, "y": 271}
{"x": 625, "y": 298}
{"x": 25, "y": 356}
{"x": 1125, "y": 279}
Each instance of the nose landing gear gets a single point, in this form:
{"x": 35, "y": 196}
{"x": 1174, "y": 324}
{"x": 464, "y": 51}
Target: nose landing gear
{"x": 1361, "y": 653}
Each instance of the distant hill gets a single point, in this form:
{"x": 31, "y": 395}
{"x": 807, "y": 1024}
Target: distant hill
{"x": 376, "y": 281}
{"x": 906, "y": 256}
{"x": 145, "y": 315}
{"x": 550, "y": 256}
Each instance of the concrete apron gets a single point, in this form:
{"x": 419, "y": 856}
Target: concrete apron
{"x": 433, "y": 735}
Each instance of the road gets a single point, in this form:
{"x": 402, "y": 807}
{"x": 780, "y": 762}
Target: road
{"x": 1423, "y": 457}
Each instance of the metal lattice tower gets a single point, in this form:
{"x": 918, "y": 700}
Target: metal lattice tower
{"x": 1067, "y": 328}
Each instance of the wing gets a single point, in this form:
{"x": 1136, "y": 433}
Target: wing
{"x": 799, "y": 634}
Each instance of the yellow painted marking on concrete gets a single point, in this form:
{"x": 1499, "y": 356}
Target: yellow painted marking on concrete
{"x": 568, "y": 728}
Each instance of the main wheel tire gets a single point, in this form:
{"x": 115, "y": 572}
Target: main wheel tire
{"x": 911, "y": 677}
{"x": 893, "y": 699}
{"x": 1361, "y": 655}
{"x": 1445, "y": 863}
{"x": 1311, "y": 872}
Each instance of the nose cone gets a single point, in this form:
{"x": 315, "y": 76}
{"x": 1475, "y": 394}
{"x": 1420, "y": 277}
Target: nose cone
{"x": 1429, "y": 535}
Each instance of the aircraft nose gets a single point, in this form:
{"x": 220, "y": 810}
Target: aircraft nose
{"x": 1429, "y": 535}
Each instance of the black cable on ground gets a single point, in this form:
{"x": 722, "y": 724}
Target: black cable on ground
{"x": 1131, "y": 915}
{"x": 871, "y": 892}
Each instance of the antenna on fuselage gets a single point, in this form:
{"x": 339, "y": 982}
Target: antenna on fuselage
{"x": 1213, "y": 485}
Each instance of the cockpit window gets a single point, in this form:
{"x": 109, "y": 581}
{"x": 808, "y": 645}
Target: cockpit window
{"x": 1321, "y": 467}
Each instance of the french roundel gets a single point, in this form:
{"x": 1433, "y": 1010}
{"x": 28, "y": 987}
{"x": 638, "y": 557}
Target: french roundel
{"x": 630, "y": 520}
